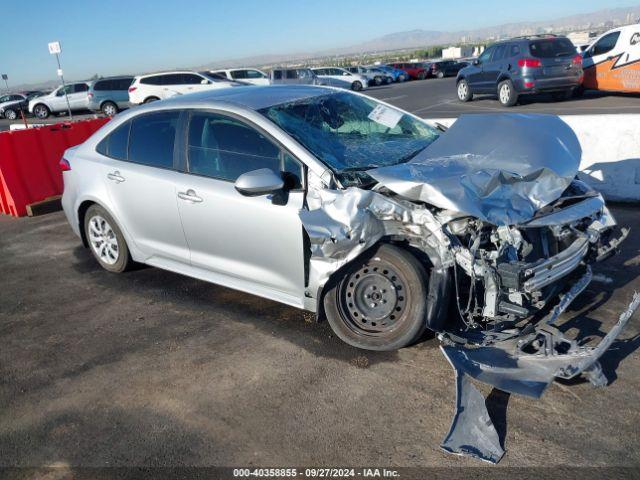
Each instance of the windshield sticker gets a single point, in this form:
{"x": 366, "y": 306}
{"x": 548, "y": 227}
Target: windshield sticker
{"x": 385, "y": 116}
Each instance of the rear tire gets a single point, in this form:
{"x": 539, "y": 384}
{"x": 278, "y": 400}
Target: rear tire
{"x": 464, "y": 92}
{"x": 377, "y": 81}
{"x": 151, "y": 99}
{"x": 578, "y": 92}
{"x": 422, "y": 76}
{"x": 440, "y": 75}
{"x": 507, "y": 95}
{"x": 380, "y": 300}
{"x": 105, "y": 239}
{"x": 356, "y": 86}
{"x": 562, "y": 96}
{"x": 109, "y": 109}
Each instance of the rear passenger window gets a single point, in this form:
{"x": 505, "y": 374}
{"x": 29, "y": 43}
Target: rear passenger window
{"x": 277, "y": 75}
{"x": 80, "y": 87}
{"x": 155, "y": 80}
{"x": 190, "y": 79}
{"x": 291, "y": 74}
{"x": 115, "y": 144}
{"x": 515, "y": 51}
{"x": 225, "y": 148}
{"x": 152, "y": 138}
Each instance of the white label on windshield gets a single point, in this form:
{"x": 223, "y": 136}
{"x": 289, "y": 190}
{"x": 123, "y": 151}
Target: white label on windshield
{"x": 385, "y": 116}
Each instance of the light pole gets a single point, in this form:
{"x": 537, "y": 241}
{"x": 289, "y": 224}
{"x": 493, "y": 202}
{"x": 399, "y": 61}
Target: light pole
{"x": 55, "y": 49}
{"x": 5, "y": 77}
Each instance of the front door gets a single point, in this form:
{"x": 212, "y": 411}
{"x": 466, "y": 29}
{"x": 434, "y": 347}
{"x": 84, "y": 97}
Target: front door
{"x": 605, "y": 67}
{"x": 254, "y": 243}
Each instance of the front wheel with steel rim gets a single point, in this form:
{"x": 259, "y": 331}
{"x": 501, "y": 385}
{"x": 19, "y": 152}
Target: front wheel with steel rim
{"x": 464, "y": 92}
{"x": 379, "y": 302}
{"x": 507, "y": 94}
{"x": 41, "y": 111}
{"x": 109, "y": 109}
{"x": 106, "y": 242}
{"x": 356, "y": 86}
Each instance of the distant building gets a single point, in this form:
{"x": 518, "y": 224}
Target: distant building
{"x": 457, "y": 52}
{"x": 582, "y": 38}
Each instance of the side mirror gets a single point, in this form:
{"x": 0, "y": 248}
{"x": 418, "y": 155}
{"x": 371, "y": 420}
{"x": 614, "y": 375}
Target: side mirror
{"x": 476, "y": 62}
{"x": 583, "y": 47}
{"x": 259, "y": 182}
{"x": 204, "y": 82}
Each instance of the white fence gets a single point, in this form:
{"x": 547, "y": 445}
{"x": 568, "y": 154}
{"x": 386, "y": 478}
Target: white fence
{"x": 610, "y": 152}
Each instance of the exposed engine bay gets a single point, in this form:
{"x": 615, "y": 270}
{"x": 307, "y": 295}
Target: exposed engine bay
{"x": 510, "y": 236}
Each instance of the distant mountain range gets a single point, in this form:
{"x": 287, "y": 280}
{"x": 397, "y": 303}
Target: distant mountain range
{"x": 423, "y": 38}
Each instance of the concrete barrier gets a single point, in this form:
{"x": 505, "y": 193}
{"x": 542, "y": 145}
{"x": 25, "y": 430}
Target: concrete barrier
{"x": 610, "y": 152}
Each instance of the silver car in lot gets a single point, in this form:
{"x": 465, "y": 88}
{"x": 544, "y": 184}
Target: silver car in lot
{"x": 336, "y": 203}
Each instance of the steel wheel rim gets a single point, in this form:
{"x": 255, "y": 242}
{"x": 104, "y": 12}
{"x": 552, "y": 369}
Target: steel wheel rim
{"x": 103, "y": 240}
{"x": 462, "y": 90}
{"x": 505, "y": 93}
{"x": 373, "y": 300}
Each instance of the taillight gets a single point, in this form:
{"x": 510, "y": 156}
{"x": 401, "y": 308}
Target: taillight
{"x": 577, "y": 60}
{"x": 64, "y": 165}
{"x": 529, "y": 62}
{"x": 90, "y": 95}
{"x": 132, "y": 89}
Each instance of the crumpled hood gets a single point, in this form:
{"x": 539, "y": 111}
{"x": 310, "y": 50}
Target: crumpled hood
{"x": 499, "y": 168}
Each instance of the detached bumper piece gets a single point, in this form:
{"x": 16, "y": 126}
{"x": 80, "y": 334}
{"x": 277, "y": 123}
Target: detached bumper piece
{"x": 525, "y": 363}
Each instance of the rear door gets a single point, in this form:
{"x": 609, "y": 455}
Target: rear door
{"x": 138, "y": 160}
{"x": 249, "y": 240}
{"x": 493, "y": 67}
{"x": 79, "y": 96}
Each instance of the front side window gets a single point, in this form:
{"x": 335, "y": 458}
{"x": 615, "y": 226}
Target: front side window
{"x": 254, "y": 74}
{"x": 223, "y": 147}
{"x": 499, "y": 53}
{"x": 486, "y": 55}
{"x": 605, "y": 44}
{"x": 291, "y": 74}
{"x": 343, "y": 131}
{"x": 277, "y": 75}
{"x": 239, "y": 74}
{"x": 152, "y": 139}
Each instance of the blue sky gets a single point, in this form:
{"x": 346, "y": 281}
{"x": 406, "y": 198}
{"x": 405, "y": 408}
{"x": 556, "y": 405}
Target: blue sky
{"x": 112, "y": 37}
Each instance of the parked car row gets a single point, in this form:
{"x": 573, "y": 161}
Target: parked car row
{"x": 549, "y": 63}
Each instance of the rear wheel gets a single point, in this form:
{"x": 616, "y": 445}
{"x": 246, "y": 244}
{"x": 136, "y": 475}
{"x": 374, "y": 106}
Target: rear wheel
{"x": 440, "y": 75}
{"x": 578, "y": 92}
{"x": 379, "y": 303}
{"x": 377, "y": 80}
{"x": 10, "y": 114}
{"x": 507, "y": 95}
{"x": 106, "y": 242}
{"x": 356, "y": 86}
{"x": 151, "y": 99}
{"x": 422, "y": 76}
{"x": 41, "y": 111}
{"x": 109, "y": 109}
{"x": 464, "y": 92}
{"x": 561, "y": 96}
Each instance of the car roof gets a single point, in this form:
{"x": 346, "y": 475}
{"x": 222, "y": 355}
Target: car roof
{"x": 171, "y": 72}
{"x": 252, "y": 97}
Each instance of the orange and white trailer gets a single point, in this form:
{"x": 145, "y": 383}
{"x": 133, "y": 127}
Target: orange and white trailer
{"x": 612, "y": 62}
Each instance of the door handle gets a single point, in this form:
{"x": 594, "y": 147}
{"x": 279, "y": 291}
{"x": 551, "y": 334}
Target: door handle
{"x": 116, "y": 177}
{"x": 190, "y": 196}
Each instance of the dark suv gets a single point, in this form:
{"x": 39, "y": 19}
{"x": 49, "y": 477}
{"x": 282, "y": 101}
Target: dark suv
{"x": 522, "y": 66}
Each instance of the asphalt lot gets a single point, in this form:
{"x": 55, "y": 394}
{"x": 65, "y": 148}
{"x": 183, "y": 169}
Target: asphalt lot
{"x": 436, "y": 98}
{"x": 151, "y": 368}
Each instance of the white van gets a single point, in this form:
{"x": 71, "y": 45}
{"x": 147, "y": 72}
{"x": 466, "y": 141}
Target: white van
{"x": 612, "y": 62}
{"x": 158, "y": 86}
{"x": 245, "y": 75}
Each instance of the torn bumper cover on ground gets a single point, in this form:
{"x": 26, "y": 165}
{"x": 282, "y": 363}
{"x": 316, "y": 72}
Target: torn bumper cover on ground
{"x": 526, "y": 365}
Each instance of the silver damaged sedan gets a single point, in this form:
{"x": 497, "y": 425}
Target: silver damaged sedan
{"x": 336, "y": 203}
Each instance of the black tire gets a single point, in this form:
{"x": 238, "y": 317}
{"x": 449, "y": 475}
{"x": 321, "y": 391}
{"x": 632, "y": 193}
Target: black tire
{"x": 123, "y": 259}
{"x": 507, "y": 95}
{"x": 578, "y": 92}
{"x": 109, "y": 108}
{"x": 395, "y": 283}
{"x": 10, "y": 114}
{"x": 440, "y": 75}
{"x": 151, "y": 99}
{"x": 356, "y": 86}
{"x": 422, "y": 76}
{"x": 463, "y": 90}
{"x": 41, "y": 111}
{"x": 377, "y": 80}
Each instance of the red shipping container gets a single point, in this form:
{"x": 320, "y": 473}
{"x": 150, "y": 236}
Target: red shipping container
{"x": 29, "y": 159}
